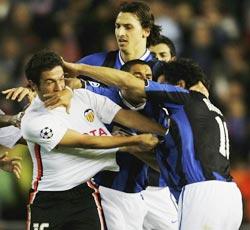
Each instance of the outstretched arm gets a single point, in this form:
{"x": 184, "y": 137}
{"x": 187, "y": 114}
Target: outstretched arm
{"x": 135, "y": 120}
{"x": 108, "y": 76}
{"x": 75, "y": 139}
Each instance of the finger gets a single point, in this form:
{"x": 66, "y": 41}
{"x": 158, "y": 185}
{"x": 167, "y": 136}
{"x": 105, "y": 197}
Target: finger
{"x": 48, "y": 95}
{"x": 8, "y": 96}
{"x": 23, "y": 94}
{"x": 16, "y": 93}
{"x": 17, "y": 173}
{"x": 51, "y": 102}
{"x": 55, "y": 105}
{"x": 68, "y": 108}
{"x": 7, "y": 91}
{"x": 16, "y": 158}
{"x": 3, "y": 155}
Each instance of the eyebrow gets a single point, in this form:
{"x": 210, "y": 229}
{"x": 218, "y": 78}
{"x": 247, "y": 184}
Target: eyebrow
{"x": 124, "y": 24}
{"x": 50, "y": 79}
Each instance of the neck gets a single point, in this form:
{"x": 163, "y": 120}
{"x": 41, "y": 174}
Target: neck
{"x": 199, "y": 87}
{"x": 132, "y": 100}
{"x": 136, "y": 53}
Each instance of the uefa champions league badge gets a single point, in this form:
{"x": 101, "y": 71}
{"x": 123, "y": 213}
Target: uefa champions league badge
{"x": 46, "y": 133}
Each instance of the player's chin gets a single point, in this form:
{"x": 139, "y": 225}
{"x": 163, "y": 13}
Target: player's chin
{"x": 122, "y": 46}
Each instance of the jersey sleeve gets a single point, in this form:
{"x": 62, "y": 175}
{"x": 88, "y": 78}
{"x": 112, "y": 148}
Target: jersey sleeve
{"x": 45, "y": 131}
{"x": 166, "y": 93}
{"x": 95, "y": 88}
{"x": 93, "y": 59}
{"x": 104, "y": 107}
{"x": 9, "y": 136}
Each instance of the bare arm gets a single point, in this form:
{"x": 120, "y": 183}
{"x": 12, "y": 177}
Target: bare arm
{"x": 7, "y": 120}
{"x": 75, "y": 139}
{"x": 122, "y": 80}
{"x": 135, "y": 120}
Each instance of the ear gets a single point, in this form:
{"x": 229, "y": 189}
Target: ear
{"x": 146, "y": 32}
{"x": 33, "y": 85}
{"x": 181, "y": 83}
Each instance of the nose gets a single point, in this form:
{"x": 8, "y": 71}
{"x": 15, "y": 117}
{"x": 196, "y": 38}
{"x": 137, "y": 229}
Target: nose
{"x": 120, "y": 31}
{"x": 58, "y": 86}
{"x": 158, "y": 57}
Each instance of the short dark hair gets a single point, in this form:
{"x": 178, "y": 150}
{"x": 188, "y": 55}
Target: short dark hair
{"x": 127, "y": 66}
{"x": 168, "y": 42}
{"x": 146, "y": 18}
{"x": 41, "y": 61}
{"x": 186, "y": 70}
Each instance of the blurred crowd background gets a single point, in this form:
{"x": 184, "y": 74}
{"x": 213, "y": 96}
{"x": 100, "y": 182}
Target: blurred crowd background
{"x": 215, "y": 33}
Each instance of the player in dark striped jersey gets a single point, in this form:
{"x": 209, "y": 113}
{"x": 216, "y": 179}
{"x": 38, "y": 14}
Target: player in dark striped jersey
{"x": 133, "y": 175}
{"x": 199, "y": 138}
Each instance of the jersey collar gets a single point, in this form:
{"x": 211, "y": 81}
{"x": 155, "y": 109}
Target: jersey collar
{"x": 143, "y": 57}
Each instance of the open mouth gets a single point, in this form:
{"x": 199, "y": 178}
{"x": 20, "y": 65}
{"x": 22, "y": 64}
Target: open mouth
{"x": 122, "y": 41}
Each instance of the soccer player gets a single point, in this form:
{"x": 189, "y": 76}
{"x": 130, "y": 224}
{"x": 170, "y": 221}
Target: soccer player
{"x": 135, "y": 31}
{"x": 199, "y": 138}
{"x": 158, "y": 208}
{"x": 163, "y": 49}
{"x": 55, "y": 139}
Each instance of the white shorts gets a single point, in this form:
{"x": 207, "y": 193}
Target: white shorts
{"x": 162, "y": 209}
{"x": 122, "y": 211}
{"x": 149, "y": 209}
{"x": 213, "y": 205}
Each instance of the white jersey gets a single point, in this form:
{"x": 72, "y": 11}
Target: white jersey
{"x": 9, "y": 135}
{"x": 43, "y": 129}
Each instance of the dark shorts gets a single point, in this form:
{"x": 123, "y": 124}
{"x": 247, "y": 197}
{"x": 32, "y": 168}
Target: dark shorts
{"x": 73, "y": 209}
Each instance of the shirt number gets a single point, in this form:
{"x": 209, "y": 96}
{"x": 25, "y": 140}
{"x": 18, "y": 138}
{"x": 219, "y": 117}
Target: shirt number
{"x": 224, "y": 140}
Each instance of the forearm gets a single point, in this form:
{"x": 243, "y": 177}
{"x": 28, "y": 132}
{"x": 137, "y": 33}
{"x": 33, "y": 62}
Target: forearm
{"x": 105, "y": 75}
{"x": 135, "y": 120}
{"x": 112, "y": 77}
{"x": 107, "y": 142}
{"x": 5, "y": 120}
{"x": 73, "y": 139}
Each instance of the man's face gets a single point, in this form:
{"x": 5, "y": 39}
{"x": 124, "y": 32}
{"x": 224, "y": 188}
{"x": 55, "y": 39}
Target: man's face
{"x": 141, "y": 71}
{"x": 161, "y": 52}
{"x": 129, "y": 32}
{"x": 51, "y": 81}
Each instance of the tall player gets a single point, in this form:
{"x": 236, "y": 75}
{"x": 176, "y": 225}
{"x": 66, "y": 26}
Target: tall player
{"x": 209, "y": 198}
{"x": 135, "y": 31}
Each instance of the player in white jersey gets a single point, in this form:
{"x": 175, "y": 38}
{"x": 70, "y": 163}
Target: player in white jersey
{"x": 52, "y": 135}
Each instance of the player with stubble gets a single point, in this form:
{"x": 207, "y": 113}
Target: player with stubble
{"x": 67, "y": 149}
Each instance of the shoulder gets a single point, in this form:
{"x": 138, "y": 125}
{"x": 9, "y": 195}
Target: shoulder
{"x": 94, "y": 59}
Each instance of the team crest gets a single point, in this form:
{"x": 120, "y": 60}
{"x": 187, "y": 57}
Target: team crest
{"x": 89, "y": 115}
{"x": 46, "y": 133}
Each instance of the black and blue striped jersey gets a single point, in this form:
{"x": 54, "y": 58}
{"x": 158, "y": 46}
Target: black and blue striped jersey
{"x": 133, "y": 175}
{"x": 198, "y": 137}
{"x": 126, "y": 181}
